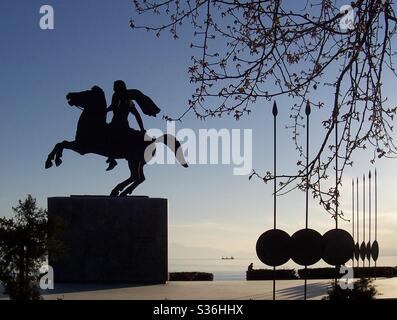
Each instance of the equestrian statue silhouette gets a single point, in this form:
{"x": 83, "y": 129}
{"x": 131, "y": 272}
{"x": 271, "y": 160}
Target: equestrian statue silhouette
{"x": 115, "y": 140}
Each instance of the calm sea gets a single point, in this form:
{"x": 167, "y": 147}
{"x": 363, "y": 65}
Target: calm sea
{"x": 235, "y": 269}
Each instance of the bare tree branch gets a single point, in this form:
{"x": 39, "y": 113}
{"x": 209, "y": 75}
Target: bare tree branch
{"x": 253, "y": 51}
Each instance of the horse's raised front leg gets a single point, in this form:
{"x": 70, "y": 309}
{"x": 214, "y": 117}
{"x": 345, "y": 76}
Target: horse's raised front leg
{"x": 57, "y": 152}
{"x": 70, "y": 145}
{"x": 51, "y": 156}
{"x": 120, "y": 187}
{"x": 140, "y": 178}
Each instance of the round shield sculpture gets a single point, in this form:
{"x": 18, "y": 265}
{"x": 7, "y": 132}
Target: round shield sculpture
{"x": 363, "y": 250}
{"x": 375, "y": 250}
{"x": 273, "y": 247}
{"x": 357, "y": 251}
{"x": 368, "y": 251}
{"x": 306, "y": 247}
{"x": 338, "y": 247}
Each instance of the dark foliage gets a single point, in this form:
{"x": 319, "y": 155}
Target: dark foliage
{"x": 269, "y": 274}
{"x": 363, "y": 290}
{"x": 24, "y": 245}
{"x": 191, "y": 276}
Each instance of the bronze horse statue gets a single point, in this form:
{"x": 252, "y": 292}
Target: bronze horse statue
{"x": 94, "y": 135}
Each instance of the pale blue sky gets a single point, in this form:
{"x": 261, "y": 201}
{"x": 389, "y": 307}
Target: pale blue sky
{"x": 93, "y": 44}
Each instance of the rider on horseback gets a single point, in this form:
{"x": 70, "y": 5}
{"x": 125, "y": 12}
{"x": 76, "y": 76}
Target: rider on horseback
{"x": 115, "y": 140}
{"x": 121, "y": 107}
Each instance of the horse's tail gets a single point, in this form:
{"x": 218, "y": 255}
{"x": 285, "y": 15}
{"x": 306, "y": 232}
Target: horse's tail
{"x": 175, "y": 146}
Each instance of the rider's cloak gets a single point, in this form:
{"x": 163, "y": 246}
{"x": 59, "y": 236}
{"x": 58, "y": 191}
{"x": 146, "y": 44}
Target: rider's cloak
{"x": 146, "y": 104}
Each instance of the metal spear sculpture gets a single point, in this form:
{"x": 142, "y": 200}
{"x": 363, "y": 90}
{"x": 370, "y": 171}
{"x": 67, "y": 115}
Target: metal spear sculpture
{"x": 306, "y": 244}
{"x": 357, "y": 246}
{"x": 338, "y": 243}
{"x": 273, "y": 246}
{"x": 363, "y": 247}
{"x": 375, "y": 245}
{"x": 367, "y": 250}
{"x": 306, "y": 247}
{"x": 353, "y": 207}
{"x": 369, "y": 220}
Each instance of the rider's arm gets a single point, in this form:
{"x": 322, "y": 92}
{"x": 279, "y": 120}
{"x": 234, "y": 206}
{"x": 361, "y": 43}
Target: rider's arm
{"x": 135, "y": 112}
{"x": 113, "y": 105}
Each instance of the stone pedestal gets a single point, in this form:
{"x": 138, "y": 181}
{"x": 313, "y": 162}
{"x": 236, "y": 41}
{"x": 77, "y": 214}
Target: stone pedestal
{"x": 111, "y": 240}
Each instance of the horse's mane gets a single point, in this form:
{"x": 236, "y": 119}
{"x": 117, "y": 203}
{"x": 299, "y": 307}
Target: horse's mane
{"x": 100, "y": 98}
{"x": 96, "y": 101}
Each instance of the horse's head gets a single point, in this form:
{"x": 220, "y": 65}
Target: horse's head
{"x": 93, "y": 99}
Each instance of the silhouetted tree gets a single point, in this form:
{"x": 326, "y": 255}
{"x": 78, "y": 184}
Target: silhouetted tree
{"x": 363, "y": 289}
{"x": 258, "y": 50}
{"x": 24, "y": 245}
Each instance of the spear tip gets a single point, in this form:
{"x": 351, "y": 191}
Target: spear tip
{"x": 275, "y": 109}
{"x": 308, "y": 108}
